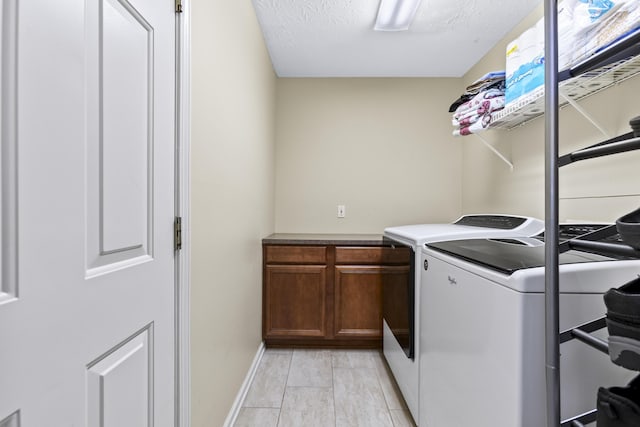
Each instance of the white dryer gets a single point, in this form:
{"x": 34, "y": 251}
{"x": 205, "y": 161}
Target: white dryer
{"x": 482, "y": 352}
{"x": 401, "y": 300}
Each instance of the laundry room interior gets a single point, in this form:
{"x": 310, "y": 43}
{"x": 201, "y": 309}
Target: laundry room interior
{"x": 299, "y": 174}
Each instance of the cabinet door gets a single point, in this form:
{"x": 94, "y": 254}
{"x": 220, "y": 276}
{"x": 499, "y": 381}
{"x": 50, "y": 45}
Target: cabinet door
{"x": 358, "y": 301}
{"x": 294, "y": 301}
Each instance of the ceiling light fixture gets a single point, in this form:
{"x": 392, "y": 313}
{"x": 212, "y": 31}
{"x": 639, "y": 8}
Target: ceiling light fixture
{"x": 396, "y": 15}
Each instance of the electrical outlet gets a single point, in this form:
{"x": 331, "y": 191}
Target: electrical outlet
{"x": 342, "y": 211}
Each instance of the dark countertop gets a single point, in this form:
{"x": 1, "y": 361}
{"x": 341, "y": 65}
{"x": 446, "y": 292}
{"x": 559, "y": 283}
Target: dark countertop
{"x": 323, "y": 239}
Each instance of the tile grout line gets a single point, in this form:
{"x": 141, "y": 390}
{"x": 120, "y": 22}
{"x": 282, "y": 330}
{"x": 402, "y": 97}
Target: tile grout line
{"x": 376, "y": 369}
{"x": 286, "y": 382}
{"x": 333, "y": 389}
{"x": 378, "y": 374}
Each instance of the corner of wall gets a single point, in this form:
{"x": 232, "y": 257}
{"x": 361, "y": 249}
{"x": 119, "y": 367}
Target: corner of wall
{"x": 232, "y": 198}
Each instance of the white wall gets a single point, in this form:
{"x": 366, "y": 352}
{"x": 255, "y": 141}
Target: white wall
{"x": 233, "y": 134}
{"x": 601, "y": 189}
{"x": 382, "y": 147}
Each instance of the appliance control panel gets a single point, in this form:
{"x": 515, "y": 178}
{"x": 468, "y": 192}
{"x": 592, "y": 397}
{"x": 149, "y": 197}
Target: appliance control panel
{"x": 571, "y": 231}
{"x": 501, "y": 222}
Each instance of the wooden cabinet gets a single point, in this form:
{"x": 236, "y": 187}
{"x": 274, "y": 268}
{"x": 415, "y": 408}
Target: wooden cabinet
{"x": 326, "y": 295}
{"x": 295, "y": 300}
{"x": 294, "y": 291}
{"x": 358, "y": 301}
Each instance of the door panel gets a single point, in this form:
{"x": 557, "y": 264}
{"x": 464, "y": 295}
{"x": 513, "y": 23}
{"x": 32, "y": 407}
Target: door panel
{"x": 118, "y": 392}
{"x": 87, "y": 163}
{"x": 125, "y": 140}
{"x": 12, "y": 420}
{"x": 8, "y": 180}
{"x": 120, "y": 113}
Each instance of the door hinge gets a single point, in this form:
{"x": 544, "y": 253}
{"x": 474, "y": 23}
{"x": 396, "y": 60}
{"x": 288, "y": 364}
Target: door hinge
{"x": 177, "y": 233}
{"x": 178, "y": 6}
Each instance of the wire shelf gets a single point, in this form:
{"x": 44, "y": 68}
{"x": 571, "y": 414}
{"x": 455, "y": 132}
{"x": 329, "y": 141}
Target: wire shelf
{"x": 531, "y": 106}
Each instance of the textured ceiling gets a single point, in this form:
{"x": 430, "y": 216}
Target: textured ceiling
{"x": 335, "y": 38}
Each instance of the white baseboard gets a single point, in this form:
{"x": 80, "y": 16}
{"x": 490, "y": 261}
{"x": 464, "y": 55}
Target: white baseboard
{"x": 242, "y": 394}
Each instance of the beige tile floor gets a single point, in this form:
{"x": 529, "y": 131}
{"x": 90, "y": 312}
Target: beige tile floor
{"x": 323, "y": 388}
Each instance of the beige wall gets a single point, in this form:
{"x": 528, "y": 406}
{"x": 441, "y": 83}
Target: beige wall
{"x": 601, "y": 189}
{"x": 382, "y": 147}
{"x": 233, "y": 135}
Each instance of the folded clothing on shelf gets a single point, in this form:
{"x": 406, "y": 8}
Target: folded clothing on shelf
{"x": 619, "y": 406}
{"x": 488, "y": 81}
{"x": 479, "y": 124}
{"x": 474, "y": 115}
{"x": 492, "y": 80}
{"x": 482, "y": 103}
{"x": 623, "y": 323}
{"x": 629, "y": 228}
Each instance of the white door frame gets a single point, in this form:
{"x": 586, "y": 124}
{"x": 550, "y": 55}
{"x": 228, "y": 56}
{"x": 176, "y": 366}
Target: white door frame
{"x": 183, "y": 187}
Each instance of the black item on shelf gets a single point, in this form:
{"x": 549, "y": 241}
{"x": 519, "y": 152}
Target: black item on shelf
{"x": 629, "y": 228}
{"x": 624, "y": 352}
{"x": 619, "y": 406}
{"x": 458, "y": 102}
{"x": 623, "y": 305}
{"x": 495, "y": 83}
{"x": 635, "y": 125}
{"x": 623, "y": 323}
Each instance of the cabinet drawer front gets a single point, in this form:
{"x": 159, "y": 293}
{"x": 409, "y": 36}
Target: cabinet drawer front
{"x": 296, "y": 254}
{"x": 372, "y": 255}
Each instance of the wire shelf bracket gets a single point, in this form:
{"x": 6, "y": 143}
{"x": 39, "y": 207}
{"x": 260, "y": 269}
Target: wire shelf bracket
{"x": 495, "y": 151}
{"x": 584, "y": 113}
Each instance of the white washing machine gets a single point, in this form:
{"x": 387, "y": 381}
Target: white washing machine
{"x": 482, "y": 346}
{"x": 401, "y": 300}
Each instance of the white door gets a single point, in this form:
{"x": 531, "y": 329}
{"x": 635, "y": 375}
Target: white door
{"x": 87, "y": 313}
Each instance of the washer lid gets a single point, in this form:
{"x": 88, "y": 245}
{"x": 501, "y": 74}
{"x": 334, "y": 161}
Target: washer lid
{"x": 508, "y": 255}
{"x": 468, "y": 226}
